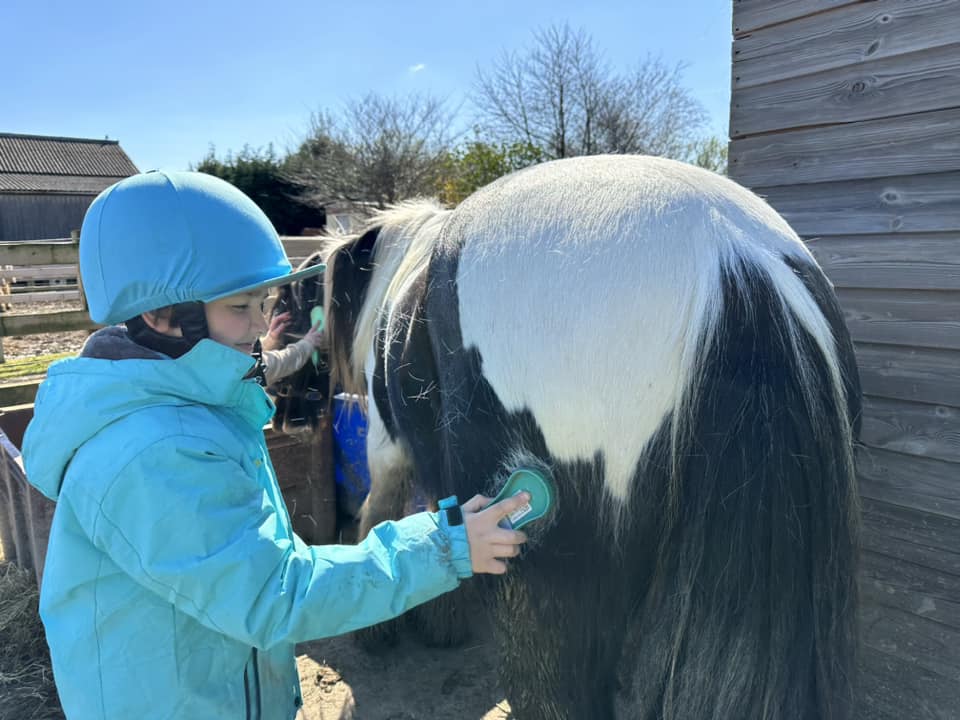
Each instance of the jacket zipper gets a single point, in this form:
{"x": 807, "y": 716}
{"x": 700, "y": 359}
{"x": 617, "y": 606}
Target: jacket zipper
{"x": 256, "y": 684}
{"x": 246, "y": 692}
{"x": 251, "y": 688}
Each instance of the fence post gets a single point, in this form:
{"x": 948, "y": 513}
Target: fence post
{"x": 75, "y": 239}
{"x": 5, "y": 290}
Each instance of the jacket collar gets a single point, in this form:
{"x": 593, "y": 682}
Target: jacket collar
{"x": 210, "y": 373}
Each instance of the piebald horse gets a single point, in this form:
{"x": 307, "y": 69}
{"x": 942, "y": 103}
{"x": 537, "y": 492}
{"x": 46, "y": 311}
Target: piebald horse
{"x": 661, "y": 340}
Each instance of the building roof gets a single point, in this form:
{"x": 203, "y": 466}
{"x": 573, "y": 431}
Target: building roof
{"x": 44, "y": 164}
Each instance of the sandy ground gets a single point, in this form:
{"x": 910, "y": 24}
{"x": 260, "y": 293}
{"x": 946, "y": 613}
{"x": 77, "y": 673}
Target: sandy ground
{"x": 341, "y": 681}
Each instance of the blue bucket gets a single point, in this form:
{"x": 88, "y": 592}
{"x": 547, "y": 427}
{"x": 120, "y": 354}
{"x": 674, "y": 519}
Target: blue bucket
{"x": 350, "y": 470}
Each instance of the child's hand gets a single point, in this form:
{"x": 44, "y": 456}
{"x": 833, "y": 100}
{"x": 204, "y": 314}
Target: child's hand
{"x": 278, "y": 324}
{"x": 488, "y": 541}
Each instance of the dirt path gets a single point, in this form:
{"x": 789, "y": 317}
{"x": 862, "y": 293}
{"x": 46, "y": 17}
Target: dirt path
{"x": 30, "y": 346}
{"x": 340, "y": 681}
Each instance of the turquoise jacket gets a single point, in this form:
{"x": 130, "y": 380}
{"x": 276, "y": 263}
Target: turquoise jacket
{"x": 174, "y": 586}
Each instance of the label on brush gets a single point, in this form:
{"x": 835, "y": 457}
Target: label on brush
{"x": 520, "y": 513}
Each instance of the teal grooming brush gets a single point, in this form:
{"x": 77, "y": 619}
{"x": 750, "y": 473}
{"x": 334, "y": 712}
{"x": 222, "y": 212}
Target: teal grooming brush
{"x": 539, "y": 484}
{"x": 317, "y": 316}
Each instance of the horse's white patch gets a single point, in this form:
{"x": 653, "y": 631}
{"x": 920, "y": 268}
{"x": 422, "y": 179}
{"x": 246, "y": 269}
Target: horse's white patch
{"x": 588, "y": 287}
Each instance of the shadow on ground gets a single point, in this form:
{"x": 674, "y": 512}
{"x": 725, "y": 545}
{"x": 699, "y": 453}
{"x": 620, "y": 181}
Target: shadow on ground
{"x": 408, "y": 681}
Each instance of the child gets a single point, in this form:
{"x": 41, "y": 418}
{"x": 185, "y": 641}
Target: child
{"x": 174, "y": 586}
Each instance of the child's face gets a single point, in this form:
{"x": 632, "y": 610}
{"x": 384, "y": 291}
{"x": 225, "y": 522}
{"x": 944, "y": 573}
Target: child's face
{"x": 237, "y": 321}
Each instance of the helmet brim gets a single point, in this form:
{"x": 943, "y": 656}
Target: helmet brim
{"x": 311, "y": 271}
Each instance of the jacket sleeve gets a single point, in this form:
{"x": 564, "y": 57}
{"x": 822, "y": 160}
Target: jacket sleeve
{"x": 193, "y": 526}
{"x": 278, "y": 364}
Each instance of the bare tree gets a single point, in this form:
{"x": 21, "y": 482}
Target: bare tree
{"x": 564, "y": 98}
{"x": 649, "y": 111}
{"x": 379, "y": 150}
{"x": 324, "y": 163}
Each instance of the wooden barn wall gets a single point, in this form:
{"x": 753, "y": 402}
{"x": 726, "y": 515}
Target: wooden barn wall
{"x": 25, "y": 216}
{"x": 846, "y": 117}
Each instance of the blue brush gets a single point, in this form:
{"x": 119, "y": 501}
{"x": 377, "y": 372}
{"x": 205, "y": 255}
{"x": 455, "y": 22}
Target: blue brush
{"x": 539, "y": 483}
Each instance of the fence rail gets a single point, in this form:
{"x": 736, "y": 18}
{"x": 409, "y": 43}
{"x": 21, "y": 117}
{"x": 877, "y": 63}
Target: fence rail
{"x": 53, "y": 295}
{"x": 40, "y": 252}
{"x": 38, "y": 272}
{"x": 58, "y": 259}
{"x": 65, "y": 251}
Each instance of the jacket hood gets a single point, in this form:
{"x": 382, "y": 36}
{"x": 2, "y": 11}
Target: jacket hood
{"x": 114, "y": 377}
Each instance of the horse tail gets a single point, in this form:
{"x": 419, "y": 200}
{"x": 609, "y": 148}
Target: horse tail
{"x": 750, "y": 608}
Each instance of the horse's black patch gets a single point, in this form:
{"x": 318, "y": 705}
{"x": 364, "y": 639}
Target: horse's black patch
{"x": 378, "y": 381}
{"x": 351, "y": 272}
{"x": 412, "y": 396}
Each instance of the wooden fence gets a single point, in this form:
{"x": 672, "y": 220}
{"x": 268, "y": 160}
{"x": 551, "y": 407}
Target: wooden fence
{"x": 845, "y": 116}
{"x": 42, "y": 283}
{"x": 59, "y": 258}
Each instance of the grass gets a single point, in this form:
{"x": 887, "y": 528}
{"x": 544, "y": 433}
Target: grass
{"x": 23, "y": 367}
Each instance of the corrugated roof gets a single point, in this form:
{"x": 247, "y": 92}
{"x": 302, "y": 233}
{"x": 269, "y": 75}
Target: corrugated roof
{"x": 56, "y": 164}
{"x": 26, "y": 182}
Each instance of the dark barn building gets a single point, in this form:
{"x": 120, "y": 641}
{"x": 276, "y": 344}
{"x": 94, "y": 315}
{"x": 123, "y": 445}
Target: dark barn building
{"x": 47, "y": 183}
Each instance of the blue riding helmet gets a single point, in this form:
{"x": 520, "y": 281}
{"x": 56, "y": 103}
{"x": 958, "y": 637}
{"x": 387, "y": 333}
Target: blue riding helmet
{"x": 164, "y": 238}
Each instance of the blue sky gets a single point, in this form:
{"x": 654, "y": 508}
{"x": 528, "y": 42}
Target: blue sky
{"x": 169, "y": 79}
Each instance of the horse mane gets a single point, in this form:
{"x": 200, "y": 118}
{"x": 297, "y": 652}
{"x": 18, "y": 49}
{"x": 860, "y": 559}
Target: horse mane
{"x": 391, "y": 250}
